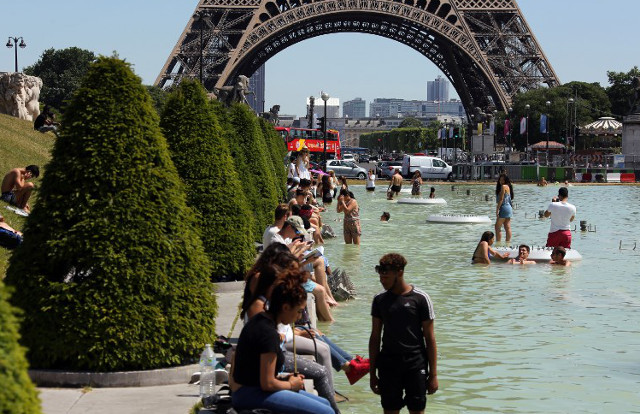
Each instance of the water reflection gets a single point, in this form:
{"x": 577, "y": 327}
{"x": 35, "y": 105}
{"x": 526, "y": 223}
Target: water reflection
{"x": 510, "y": 338}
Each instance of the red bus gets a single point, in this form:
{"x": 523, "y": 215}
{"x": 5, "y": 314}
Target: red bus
{"x": 296, "y": 138}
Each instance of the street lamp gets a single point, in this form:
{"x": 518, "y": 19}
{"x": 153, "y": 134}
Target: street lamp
{"x": 570, "y": 129}
{"x": 547, "y": 127}
{"x": 15, "y": 44}
{"x": 510, "y": 139}
{"x": 527, "y": 107}
{"x": 325, "y": 97}
{"x": 199, "y": 17}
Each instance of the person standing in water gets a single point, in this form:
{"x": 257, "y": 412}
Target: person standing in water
{"x": 371, "y": 181}
{"x": 504, "y": 209}
{"x": 405, "y": 370}
{"x": 349, "y": 206}
{"x": 416, "y": 183}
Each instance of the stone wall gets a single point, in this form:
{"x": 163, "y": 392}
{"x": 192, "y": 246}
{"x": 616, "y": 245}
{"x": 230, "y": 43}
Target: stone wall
{"x": 20, "y": 95}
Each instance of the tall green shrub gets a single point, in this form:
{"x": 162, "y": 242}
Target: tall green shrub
{"x": 278, "y": 152}
{"x": 214, "y": 191}
{"x": 250, "y": 154}
{"x": 112, "y": 274}
{"x": 17, "y": 393}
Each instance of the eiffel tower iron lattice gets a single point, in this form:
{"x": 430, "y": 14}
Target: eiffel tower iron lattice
{"x": 484, "y": 47}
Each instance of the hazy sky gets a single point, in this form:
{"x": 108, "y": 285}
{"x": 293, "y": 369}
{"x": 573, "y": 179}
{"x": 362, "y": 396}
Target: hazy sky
{"x": 581, "y": 38}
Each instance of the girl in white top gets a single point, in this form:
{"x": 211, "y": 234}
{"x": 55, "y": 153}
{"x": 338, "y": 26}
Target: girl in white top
{"x": 302, "y": 164}
{"x": 371, "y": 181}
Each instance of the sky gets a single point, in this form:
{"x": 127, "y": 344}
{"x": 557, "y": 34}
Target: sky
{"x": 582, "y": 39}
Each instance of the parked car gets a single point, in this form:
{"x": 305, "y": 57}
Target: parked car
{"x": 363, "y": 158}
{"x": 429, "y": 167}
{"x": 386, "y": 168}
{"x": 346, "y": 168}
{"x": 348, "y": 157}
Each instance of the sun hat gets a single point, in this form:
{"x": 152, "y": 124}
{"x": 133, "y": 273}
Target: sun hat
{"x": 297, "y": 224}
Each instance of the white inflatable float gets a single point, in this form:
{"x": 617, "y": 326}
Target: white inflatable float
{"x": 458, "y": 219}
{"x": 538, "y": 253}
{"x": 422, "y": 201}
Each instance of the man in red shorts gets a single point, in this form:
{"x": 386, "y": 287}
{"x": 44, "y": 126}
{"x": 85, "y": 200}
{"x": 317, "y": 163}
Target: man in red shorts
{"x": 562, "y": 214}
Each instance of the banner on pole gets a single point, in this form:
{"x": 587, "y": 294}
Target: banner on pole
{"x": 543, "y": 124}
{"x": 523, "y": 125}
{"x": 479, "y": 128}
{"x": 507, "y": 127}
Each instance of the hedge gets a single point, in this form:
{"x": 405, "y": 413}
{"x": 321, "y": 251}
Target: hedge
{"x": 214, "y": 191}
{"x": 112, "y": 274}
{"x": 17, "y": 393}
{"x": 278, "y": 154}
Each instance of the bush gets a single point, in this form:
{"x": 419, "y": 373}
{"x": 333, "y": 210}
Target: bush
{"x": 278, "y": 153}
{"x": 112, "y": 274}
{"x": 214, "y": 191}
{"x": 249, "y": 151}
{"x": 17, "y": 393}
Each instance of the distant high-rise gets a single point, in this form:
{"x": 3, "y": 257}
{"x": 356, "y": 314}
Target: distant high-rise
{"x": 438, "y": 90}
{"x": 355, "y": 108}
{"x": 333, "y": 107}
{"x": 255, "y": 97}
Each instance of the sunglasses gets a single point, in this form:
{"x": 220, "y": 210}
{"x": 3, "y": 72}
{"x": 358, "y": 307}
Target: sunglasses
{"x": 384, "y": 269}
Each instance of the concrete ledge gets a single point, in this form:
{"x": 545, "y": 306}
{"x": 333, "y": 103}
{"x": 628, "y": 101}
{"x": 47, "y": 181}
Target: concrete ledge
{"x": 237, "y": 286}
{"x": 164, "y": 376}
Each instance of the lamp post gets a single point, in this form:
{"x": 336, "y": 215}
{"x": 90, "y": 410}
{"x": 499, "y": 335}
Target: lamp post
{"x": 15, "y": 45}
{"x": 509, "y": 131}
{"x": 547, "y": 128}
{"x": 527, "y": 107}
{"x": 199, "y": 17}
{"x": 571, "y": 125}
{"x": 325, "y": 97}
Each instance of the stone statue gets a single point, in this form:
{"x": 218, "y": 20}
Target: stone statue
{"x": 19, "y": 95}
{"x": 235, "y": 93}
{"x": 272, "y": 115}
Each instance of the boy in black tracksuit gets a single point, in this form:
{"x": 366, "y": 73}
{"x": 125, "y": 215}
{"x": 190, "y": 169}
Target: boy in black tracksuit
{"x": 403, "y": 316}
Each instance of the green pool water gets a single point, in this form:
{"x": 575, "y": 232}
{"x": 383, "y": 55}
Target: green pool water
{"x": 510, "y": 338}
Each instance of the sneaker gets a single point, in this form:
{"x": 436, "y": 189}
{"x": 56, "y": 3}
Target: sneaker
{"x": 359, "y": 368}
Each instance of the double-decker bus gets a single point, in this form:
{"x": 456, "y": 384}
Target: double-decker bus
{"x": 296, "y": 138}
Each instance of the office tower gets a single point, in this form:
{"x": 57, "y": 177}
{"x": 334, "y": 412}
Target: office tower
{"x": 256, "y": 90}
{"x": 438, "y": 90}
{"x": 355, "y": 108}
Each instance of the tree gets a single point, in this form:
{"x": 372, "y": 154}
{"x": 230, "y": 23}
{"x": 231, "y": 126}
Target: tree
{"x": 591, "y": 103}
{"x": 410, "y": 122}
{"x": 61, "y": 72}
{"x": 278, "y": 153}
{"x": 17, "y": 392}
{"x": 158, "y": 96}
{"x": 214, "y": 191}
{"x": 249, "y": 151}
{"x": 112, "y": 274}
{"x": 620, "y": 91}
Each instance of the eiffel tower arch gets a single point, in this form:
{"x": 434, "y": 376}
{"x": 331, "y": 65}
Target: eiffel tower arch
{"x": 484, "y": 47}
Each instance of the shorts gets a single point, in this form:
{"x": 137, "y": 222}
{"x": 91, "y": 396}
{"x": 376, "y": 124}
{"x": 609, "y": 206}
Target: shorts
{"x": 396, "y": 188}
{"x": 9, "y": 197}
{"x": 402, "y": 383}
{"x": 351, "y": 228}
{"x": 371, "y": 189}
{"x": 506, "y": 211}
{"x": 559, "y": 238}
{"x": 309, "y": 285}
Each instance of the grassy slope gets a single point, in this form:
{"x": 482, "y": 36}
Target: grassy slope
{"x": 20, "y": 146}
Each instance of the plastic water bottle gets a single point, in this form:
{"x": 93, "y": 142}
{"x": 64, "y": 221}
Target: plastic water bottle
{"x": 207, "y": 372}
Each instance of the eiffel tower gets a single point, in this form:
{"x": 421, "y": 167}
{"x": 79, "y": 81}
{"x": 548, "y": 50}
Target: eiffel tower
{"x": 484, "y": 47}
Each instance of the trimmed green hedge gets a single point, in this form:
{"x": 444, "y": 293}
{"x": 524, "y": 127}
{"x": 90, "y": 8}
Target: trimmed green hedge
{"x": 17, "y": 393}
{"x": 252, "y": 161}
{"x": 214, "y": 191}
{"x": 278, "y": 153}
{"x": 112, "y": 274}
{"x": 402, "y": 139}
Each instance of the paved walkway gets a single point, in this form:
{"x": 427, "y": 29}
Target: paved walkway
{"x": 168, "y": 399}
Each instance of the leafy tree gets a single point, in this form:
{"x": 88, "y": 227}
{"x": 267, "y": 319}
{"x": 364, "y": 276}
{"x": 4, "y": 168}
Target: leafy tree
{"x": 61, "y": 72}
{"x": 112, "y": 274}
{"x": 592, "y": 102}
{"x": 278, "y": 153}
{"x": 158, "y": 96}
{"x": 410, "y": 122}
{"x": 17, "y": 392}
{"x": 620, "y": 91}
{"x": 214, "y": 191}
{"x": 249, "y": 151}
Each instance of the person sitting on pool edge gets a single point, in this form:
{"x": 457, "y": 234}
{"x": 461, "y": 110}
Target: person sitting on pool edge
{"x": 557, "y": 257}
{"x": 385, "y": 216}
{"x": 484, "y": 252}
{"x": 523, "y": 254}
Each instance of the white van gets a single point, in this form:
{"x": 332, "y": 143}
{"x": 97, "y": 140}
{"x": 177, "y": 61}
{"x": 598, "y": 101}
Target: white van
{"x": 430, "y": 167}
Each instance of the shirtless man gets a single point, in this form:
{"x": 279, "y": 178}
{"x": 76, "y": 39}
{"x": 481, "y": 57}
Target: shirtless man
{"x": 15, "y": 188}
{"x": 557, "y": 256}
{"x": 523, "y": 254}
{"x": 396, "y": 182}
